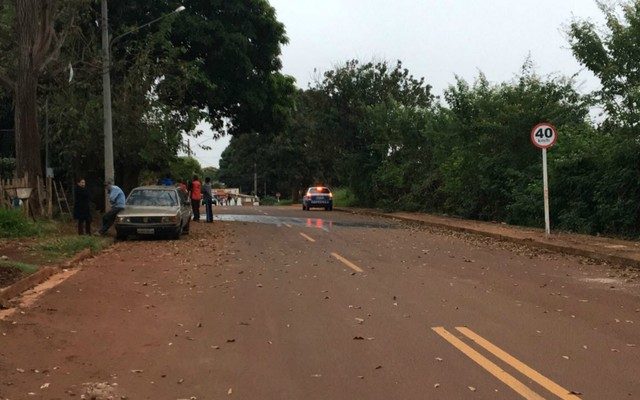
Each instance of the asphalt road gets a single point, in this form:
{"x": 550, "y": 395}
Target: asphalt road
{"x": 278, "y": 303}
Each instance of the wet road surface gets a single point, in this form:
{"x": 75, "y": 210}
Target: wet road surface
{"x": 278, "y": 303}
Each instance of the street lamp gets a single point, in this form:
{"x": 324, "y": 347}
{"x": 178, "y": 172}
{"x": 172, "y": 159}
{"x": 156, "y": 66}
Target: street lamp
{"x": 106, "y": 88}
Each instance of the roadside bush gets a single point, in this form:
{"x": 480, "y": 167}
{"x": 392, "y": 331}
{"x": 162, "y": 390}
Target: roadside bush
{"x": 344, "y": 197}
{"x": 13, "y": 224}
{"x": 268, "y": 201}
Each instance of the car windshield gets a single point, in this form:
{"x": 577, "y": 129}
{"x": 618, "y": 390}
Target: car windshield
{"x": 316, "y": 190}
{"x": 153, "y": 197}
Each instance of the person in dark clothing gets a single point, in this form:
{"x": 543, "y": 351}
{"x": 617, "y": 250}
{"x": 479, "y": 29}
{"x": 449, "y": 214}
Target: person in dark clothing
{"x": 81, "y": 207}
{"x": 207, "y": 197}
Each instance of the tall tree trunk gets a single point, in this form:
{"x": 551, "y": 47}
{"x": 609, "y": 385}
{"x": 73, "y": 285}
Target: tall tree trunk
{"x": 28, "y": 155}
{"x": 35, "y": 37}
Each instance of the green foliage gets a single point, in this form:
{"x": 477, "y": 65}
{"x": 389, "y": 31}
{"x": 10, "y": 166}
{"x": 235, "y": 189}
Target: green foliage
{"x": 25, "y": 268}
{"x": 268, "y": 201}
{"x": 65, "y": 246}
{"x": 13, "y": 223}
{"x": 344, "y": 197}
{"x": 7, "y": 167}
{"x": 363, "y": 99}
{"x": 217, "y": 62}
{"x": 488, "y": 164}
{"x": 210, "y": 172}
{"x": 185, "y": 168}
{"x": 612, "y": 53}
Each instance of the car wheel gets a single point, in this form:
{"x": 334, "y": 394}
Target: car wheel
{"x": 121, "y": 236}
{"x": 330, "y": 208}
{"x": 177, "y": 233}
{"x": 304, "y": 208}
{"x": 186, "y": 228}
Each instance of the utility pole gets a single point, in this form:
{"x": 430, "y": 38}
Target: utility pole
{"x": 109, "y": 173}
{"x": 255, "y": 180}
{"x": 106, "y": 103}
{"x": 188, "y": 147}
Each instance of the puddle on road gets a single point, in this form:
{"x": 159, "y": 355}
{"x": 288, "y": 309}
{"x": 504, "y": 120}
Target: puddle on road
{"x": 319, "y": 223}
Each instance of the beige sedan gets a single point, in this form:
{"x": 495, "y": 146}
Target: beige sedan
{"x": 154, "y": 211}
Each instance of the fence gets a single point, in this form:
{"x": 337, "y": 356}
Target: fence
{"x": 40, "y": 193}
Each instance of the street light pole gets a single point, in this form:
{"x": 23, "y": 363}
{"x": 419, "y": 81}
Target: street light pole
{"x": 109, "y": 173}
{"x": 106, "y": 102}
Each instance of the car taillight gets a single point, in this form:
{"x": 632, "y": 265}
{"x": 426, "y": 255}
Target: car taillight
{"x": 331, "y": 195}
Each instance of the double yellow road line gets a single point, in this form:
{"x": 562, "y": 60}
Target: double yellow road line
{"x": 498, "y": 372}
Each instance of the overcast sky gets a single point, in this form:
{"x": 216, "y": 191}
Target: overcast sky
{"x": 435, "y": 39}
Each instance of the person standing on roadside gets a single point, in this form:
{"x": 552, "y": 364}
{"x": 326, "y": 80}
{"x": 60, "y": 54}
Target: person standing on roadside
{"x": 182, "y": 186}
{"x": 116, "y": 199}
{"x": 207, "y": 196}
{"x": 82, "y": 207}
{"x": 196, "y": 197}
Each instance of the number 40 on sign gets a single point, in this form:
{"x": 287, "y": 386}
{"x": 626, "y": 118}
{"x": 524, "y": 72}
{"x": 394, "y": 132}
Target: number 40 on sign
{"x": 544, "y": 135}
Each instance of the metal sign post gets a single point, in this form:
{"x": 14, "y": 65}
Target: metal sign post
{"x": 545, "y": 182}
{"x": 543, "y": 136}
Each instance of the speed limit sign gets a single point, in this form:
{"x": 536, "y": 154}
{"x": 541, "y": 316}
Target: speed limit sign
{"x": 544, "y": 135}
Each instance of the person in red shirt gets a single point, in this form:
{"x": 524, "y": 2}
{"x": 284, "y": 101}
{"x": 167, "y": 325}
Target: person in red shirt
{"x": 196, "y": 197}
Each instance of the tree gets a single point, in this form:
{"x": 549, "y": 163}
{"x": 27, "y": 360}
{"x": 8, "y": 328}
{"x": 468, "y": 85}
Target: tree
{"x": 185, "y": 168}
{"x": 484, "y": 155}
{"x": 237, "y": 161}
{"x": 236, "y": 47}
{"x": 162, "y": 77}
{"x": 613, "y": 54}
{"x": 37, "y": 43}
{"x": 210, "y": 172}
{"x": 357, "y": 92}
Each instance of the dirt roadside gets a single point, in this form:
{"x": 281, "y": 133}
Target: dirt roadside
{"x": 127, "y": 303}
{"x": 625, "y": 253}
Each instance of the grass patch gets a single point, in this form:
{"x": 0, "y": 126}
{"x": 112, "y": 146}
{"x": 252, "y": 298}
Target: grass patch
{"x": 26, "y": 268}
{"x": 69, "y": 245}
{"x": 13, "y": 224}
{"x": 286, "y": 202}
{"x": 343, "y": 197}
